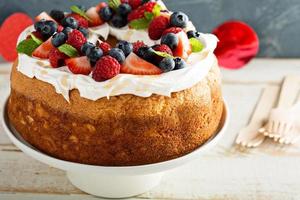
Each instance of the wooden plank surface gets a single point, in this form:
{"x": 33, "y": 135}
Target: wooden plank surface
{"x": 226, "y": 172}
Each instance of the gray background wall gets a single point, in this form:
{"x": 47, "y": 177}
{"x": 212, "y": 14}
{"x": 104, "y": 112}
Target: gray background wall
{"x": 277, "y": 22}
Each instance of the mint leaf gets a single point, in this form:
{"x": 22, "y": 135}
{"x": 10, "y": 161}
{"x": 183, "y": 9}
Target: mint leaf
{"x": 142, "y": 23}
{"x": 80, "y": 12}
{"x": 114, "y": 4}
{"x": 156, "y": 10}
{"x": 68, "y": 50}
{"x": 149, "y": 16}
{"x": 37, "y": 40}
{"x": 163, "y": 54}
{"x": 27, "y": 46}
{"x": 197, "y": 46}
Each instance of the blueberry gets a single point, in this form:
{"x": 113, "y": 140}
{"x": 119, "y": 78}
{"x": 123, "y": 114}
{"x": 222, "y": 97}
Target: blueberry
{"x": 119, "y": 21}
{"x": 84, "y": 31}
{"x": 117, "y": 54}
{"x": 106, "y": 13}
{"x": 179, "y": 63}
{"x": 57, "y": 15}
{"x": 94, "y": 54}
{"x": 124, "y": 9}
{"x": 87, "y": 47}
{"x": 59, "y": 39}
{"x": 170, "y": 39}
{"x": 70, "y": 22}
{"x": 48, "y": 29}
{"x": 167, "y": 64}
{"x": 38, "y": 25}
{"x": 147, "y": 53}
{"x": 125, "y": 46}
{"x": 179, "y": 19}
{"x": 67, "y": 30}
{"x": 193, "y": 34}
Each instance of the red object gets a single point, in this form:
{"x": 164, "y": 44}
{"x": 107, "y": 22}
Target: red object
{"x": 106, "y": 68}
{"x": 81, "y": 20}
{"x": 105, "y": 47}
{"x": 57, "y": 58}
{"x": 137, "y": 45}
{"x": 76, "y": 39}
{"x": 134, "y": 3}
{"x": 10, "y": 30}
{"x": 238, "y": 44}
{"x": 157, "y": 27}
{"x": 36, "y": 34}
{"x": 43, "y": 50}
{"x": 93, "y": 15}
{"x": 174, "y": 30}
{"x": 79, "y": 65}
{"x": 138, "y": 66}
{"x": 60, "y": 28}
{"x": 183, "y": 48}
{"x": 140, "y": 11}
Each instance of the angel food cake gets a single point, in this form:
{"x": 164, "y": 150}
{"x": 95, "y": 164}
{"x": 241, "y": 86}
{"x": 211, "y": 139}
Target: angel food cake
{"x": 119, "y": 84}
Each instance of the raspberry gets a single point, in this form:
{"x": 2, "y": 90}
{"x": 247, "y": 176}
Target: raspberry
{"x": 76, "y": 39}
{"x": 162, "y": 48}
{"x": 140, "y": 11}
{"x": 106, "y": 68}
{"x": 174, "y": 30}
{"x": 157, "y": 27}
{"x": 134, "y": 3}
{"x": 138, "y": 45}
{"x": 81, "y": 20}
{"x": 105, "y": 47}
{"x": 56, "y": 58}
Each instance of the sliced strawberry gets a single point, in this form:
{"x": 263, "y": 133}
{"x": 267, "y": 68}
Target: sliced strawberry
{"x": 136, "y": 65}
{"x": 183, "y": 49}
{"x": 101, "y": 5}
{"x": 79, "y": 65}
{"x": 94, "y": 17}
{"x": 44, "y": 16}
{"x": 43, "y": 50}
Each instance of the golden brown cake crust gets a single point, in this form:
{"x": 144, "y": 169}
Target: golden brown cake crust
{"x": 122, "y": 131}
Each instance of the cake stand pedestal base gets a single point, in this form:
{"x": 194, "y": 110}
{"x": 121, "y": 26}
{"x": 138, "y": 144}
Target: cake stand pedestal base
{"x": 114, "y": 186}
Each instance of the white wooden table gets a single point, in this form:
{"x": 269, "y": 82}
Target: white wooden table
{"x": 227, "y": 172}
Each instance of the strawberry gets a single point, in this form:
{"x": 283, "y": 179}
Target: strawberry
{"x": 157, "y": 27}
{"x": 106, "y": 68}
{"x": 79, "y": 65}
{"x": 124, "y": 1}
{"x": 140, "y": 11}
{"x": 44, "y": 16}
{"x": 138, "y": 66}
{"x": 81, "y": 20}
{"x": 135, "y": 3}
{"x": 36, "y": 34}
{"x": 76, "y": 39}
{"x": 60, "y": 28}
{"x": 137, "y": 45}
{"x": 57, "y": 58}
{"x": 174, "y": 30}
{"x": 183, "y": 48}
{"x": 43, "y": 50}
{"x": 101, "y": 5}
{"x": 105, "y": 47}
{"x": 93, "y": 15}
{"x": 238, "y": 44}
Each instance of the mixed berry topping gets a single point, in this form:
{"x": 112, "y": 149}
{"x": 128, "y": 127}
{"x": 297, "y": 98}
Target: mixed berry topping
{"x": 62, "y": 38}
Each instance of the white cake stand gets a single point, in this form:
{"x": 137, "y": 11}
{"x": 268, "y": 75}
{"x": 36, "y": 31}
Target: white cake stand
{"x": 112, "y": 182}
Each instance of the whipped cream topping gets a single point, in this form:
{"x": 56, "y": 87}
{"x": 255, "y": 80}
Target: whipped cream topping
{"x": 199, "y": 64}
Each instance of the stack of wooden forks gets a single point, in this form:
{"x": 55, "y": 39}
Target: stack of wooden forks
{"x": 282, "y": 123}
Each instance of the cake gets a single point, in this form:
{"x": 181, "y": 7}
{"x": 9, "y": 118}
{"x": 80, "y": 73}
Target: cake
{"x": 120, "y": 84}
